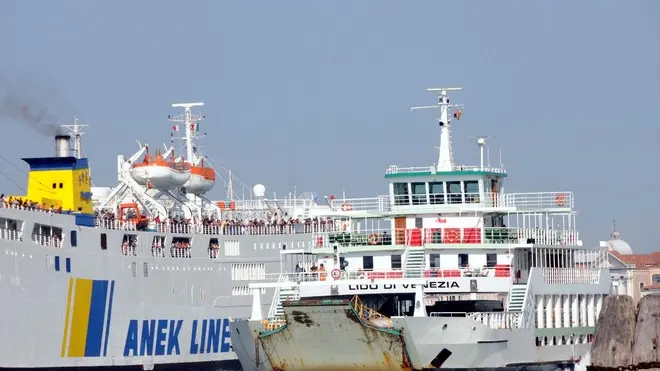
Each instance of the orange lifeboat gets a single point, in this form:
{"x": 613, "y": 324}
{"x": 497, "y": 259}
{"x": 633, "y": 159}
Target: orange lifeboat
{"x": 156, "y": 172}
{"x": 131, "y": 212}
{"x": 202, "y": 179}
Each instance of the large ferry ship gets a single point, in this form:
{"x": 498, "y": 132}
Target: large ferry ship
{"x": 147, "y": 273}
{"x": 447, "y": 270}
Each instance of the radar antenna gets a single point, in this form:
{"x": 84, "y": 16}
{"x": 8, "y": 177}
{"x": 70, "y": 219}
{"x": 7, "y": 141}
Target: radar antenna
{"x": 446, "y": 155}
{"x": 481, "y": 142}
{"x": 191, "y": 123}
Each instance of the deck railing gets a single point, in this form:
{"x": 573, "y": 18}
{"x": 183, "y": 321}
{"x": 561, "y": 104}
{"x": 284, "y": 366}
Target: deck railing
{"x": 499, "y": 271}
{"x": 447, "y": 235}
{"x": 571, "y": 275}
{"x": 494, "y": 320}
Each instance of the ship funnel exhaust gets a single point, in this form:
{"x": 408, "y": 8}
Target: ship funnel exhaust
{"x": 62, "y": 146}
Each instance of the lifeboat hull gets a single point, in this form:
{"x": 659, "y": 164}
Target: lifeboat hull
{"x": 160, "y": 177}
{"x": 198, "y": 184}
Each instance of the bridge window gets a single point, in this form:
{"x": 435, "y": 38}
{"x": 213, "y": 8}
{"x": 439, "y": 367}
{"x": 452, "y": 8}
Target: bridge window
{"x": 471, "y": 190}
{"x": 437, "y": 193}
{"x": 656, "y": 279}
{"x": 418, "y": 193}
{"x": 454, "y": 194}
{"x": 368, "y": 262}
{"x": 401, "y": 194}
{"x": 434, "y": 260}
{"x": 396, "y": 261}
{"x": 463, "y": 260}
{"x": 491, "y": 260}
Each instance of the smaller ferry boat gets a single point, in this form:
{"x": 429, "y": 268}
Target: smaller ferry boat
{"x": 446, "y": 270}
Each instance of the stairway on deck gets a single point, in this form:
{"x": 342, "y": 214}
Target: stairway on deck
{"x": 285, "y": 294}
{"x": 414, "y": 263}
{"x": 517, "y": 297}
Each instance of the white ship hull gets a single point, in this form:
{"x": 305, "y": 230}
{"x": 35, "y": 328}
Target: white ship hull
{"x": 160, "y": 177}
{"x": 86, "y": 306}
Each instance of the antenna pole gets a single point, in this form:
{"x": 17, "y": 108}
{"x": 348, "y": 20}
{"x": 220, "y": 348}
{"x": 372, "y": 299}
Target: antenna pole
{"x": 445, "y": 155}
{"x": 77, "y": 134}
{"x": 189, "y": 119}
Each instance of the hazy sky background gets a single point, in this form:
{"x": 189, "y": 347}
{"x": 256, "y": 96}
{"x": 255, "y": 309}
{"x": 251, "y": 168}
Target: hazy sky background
{"x": 316, "y": 94}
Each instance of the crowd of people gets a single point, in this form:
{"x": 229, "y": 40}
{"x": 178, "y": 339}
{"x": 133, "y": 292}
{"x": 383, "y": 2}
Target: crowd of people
{"x": 272, "y": 224}
{"x": 20, "y": 203}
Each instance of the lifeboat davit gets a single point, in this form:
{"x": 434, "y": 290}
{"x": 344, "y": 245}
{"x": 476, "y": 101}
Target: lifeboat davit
{"x": 202, "y": 179}
{"x": 156, "y": 172}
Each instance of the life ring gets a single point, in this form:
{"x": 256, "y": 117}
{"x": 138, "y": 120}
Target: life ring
{"x": 336, "y": 274}
{"x": 374, "y": 239}
{"x": 452, "y": 235}
{"x": 346, "y": 206}
{"x": 560, "y": 200}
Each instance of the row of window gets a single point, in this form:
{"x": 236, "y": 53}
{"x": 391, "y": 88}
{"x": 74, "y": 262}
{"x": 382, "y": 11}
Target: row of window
{"x": 434, "y": 260}
{"x": 436, "y": 193}
{"x": 463, "y": 260}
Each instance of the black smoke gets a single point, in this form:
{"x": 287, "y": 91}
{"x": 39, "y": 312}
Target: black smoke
{"x": 27, "y": 102}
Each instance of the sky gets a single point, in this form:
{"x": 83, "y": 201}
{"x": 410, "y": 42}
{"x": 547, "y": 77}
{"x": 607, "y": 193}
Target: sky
{"x": 317, "y": 94}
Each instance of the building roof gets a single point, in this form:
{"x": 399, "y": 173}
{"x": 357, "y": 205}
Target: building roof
{"x": 651, "y": 260}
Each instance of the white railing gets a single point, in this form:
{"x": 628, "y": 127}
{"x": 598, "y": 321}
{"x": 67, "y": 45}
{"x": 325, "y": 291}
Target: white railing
{"x": 115, "y": 224}
{"x": 571, "y": 275}
{"x": 394, "y": 169}
{"x": 446, "y": 235}
{"x": 540, "y": 200}
{"x": 523, "y": 201}
{"x": 11, "y": 234}
{"x": 494, "y": 320}
{"x": 371, "y": 204}
{"x": 221, "y": 228}
{"x": 296, "y": 228}
{"x": 381, "y": 274}
{"x": 327, "y": 276}
{"x": 272, "y": 311}
{"x": 16, "y": 206}
{"x": 49, "y": 241}
{"x": 263, "y": 204}
{"x": 497, "y": 320}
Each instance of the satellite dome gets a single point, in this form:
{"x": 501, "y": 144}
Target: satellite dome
{"x": 259, "y": 190}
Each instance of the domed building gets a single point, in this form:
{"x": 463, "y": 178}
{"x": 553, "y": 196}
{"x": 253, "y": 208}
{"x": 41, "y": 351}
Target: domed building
{"x": 631, "y": 273}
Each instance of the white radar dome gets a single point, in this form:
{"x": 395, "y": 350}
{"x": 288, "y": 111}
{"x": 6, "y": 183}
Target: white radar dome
{"x": 259, "y": 190}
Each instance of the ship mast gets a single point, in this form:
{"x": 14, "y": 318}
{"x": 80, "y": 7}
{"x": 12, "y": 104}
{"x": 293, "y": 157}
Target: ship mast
{"x": 76, "y": 134}
{"x": 446, "y": 154}
{"x": 190, "y": 121}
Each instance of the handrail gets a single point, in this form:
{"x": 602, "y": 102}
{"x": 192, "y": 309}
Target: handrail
{"x": 369, "y": 316}
{"x": 528, "y": 312}
{"x": 275, "y": 302}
